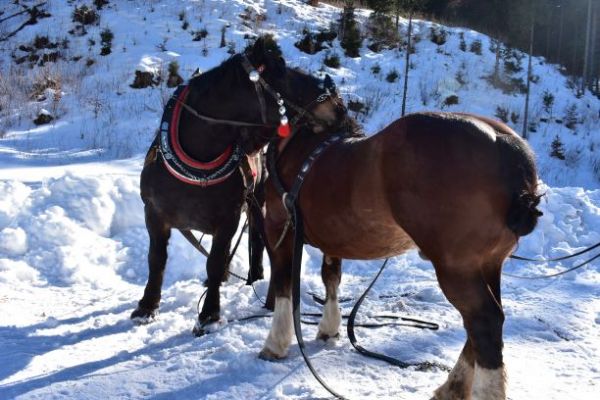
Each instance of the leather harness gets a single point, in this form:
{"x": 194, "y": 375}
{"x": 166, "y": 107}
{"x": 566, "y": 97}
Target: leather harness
{"x": 183, "y": 167}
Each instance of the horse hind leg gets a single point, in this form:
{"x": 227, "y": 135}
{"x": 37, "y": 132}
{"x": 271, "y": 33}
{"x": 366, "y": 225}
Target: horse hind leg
{"x": 331, "y": 273}
{"x": 159, "y": 233}
{"x": 460, "y": 380}
{"x": 479, "y": 373}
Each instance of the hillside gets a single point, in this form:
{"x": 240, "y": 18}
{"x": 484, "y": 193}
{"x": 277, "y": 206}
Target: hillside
{"x": 73, "y": 242}
{"x": 93, "y": 104}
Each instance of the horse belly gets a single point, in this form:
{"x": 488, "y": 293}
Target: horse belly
{"x": 373, "y": 245}
{"x": 184, "y": 206}
{"x": 363, "y": 233}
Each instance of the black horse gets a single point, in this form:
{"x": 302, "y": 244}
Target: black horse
{"x": 191, "y": 179}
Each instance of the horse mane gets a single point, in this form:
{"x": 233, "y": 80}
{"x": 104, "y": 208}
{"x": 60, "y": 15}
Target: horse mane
{"x": 352, "y": 128}
{"x": 205, "y": 81}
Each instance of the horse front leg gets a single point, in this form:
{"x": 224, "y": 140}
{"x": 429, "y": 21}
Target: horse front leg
{"x": 216, "y": 270}
{"x": 331, "y": 273}
{"x": 256, "y": 243}
{"x": 479, "y": 373}
{"x": 280, "y": 287}
{"x": 159, "y": 233}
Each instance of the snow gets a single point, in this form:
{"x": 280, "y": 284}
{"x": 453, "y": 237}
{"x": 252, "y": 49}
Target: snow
{"x": 73, "y": 242}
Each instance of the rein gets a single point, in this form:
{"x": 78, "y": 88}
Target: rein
{"x": 573, "y": 268}
{"x": 541, "y": 260}
{"x": 290, "y": 202}
{"x": 213, "y": 120}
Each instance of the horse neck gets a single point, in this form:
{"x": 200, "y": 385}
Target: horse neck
{"x": 203, "y": 141}
{"x": 297, "y": 150}
{"x": 206, "y": 141}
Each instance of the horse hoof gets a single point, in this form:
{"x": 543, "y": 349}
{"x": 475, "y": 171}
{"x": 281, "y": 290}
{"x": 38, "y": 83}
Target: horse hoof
{"x": 143, "y": 316}
{"x": 326, "y": 338}
{"x": 198, "y": 331}
{"x": 268, "y": 355}
{"x": 204, "y": 327}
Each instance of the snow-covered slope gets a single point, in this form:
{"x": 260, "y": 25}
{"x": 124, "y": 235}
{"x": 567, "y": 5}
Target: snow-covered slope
{"x": 73, "y": 243}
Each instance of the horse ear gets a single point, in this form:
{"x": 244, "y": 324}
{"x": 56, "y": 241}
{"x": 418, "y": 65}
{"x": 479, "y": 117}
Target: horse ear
{"x": 266, "y": 52}
{"x": 281, "y": 63}
{"x": 256, "y": 51}
{"x": 259, "y": 47}
{"x": 329, "y": 84}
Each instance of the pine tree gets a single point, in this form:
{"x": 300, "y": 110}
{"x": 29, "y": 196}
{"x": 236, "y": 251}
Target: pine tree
{"x": 558, "y": 150}
{"x": 380, "y": 6}
{"x": 571, "y": 118}
{"x": 349, "y": 32}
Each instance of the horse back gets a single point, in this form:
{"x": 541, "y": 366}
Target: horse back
{"x": 458, "y": 179}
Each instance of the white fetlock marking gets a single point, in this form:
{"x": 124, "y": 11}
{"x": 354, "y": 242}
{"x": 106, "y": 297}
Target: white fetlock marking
{"x": 489, "y": 384}
{"x": 461, "y": 376}
{"x": 212, "y": 326}
{"x": 280, "y": 335}
{"x": 332, "y": 318}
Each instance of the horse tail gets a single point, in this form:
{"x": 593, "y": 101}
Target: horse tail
{"x": 521, "y": 178}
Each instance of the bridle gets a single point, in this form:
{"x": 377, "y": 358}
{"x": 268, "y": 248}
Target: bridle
{"x": 203, "y": 174}
{"x": 261, "y": 86}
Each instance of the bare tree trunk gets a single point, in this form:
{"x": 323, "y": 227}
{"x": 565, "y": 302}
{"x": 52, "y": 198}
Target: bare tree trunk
{"x": 313, "y": 3}
{"x": 529, "y": 68}
{"x": 497, "y": 63}
{"x": 574, "y": 59}
{"x": 348, "y": 9}
{"x": 586, "y": 54}
{"x": 594, "y": 53}
{"x": 410, "y": 17}
{"x": 560, "y": 33}
{"x": 548, "y": 32}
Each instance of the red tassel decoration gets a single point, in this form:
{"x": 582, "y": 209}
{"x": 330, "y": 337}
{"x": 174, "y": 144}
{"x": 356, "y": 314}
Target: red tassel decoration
{"x": 283, "y": 130}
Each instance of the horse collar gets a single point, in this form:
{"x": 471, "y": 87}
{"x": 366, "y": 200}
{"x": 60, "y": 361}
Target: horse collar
{"x": 179, "y": 163}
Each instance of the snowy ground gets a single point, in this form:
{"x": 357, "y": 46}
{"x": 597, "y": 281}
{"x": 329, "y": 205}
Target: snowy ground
{"x": 73, "y": 243}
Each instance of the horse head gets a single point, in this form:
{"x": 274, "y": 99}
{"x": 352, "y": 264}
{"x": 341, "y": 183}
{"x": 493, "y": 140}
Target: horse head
{"x": 295, "y": 96}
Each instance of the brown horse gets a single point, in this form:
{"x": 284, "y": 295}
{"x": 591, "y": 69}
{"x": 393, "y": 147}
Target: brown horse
{"x": 231, "y": 110}
{"x": 460, "y": 188}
